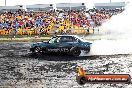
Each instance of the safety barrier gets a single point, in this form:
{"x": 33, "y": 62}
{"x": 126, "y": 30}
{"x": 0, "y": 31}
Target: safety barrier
{"x": 32, "y": 31}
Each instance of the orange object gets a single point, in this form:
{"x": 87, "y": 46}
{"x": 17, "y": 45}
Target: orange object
{"x": 81, "y": 71}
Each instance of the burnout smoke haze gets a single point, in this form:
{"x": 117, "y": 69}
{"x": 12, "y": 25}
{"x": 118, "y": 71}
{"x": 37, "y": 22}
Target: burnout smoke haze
{"x": 119, "y": 28}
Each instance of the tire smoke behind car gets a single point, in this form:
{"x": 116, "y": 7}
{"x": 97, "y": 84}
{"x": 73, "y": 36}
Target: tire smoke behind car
{"x": 119, "y": 29}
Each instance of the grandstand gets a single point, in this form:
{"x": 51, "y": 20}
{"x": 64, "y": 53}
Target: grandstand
{"x": 111, "y": 5}
{"x": 42, "y": 19}
{"x": 70, "y": 6}
{"x": 39, "y": 7}
{"x": 11, "y": 8}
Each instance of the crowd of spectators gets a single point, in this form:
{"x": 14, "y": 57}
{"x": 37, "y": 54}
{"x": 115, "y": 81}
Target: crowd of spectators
{"x": 22, "y": 22}
{"x": 100, "y": 16}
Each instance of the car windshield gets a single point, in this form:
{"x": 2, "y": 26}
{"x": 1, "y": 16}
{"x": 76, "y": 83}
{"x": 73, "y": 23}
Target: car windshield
{"x": 80, "y": 38}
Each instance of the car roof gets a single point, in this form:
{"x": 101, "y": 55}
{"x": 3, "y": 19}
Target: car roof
{"x": 66, "y": 35}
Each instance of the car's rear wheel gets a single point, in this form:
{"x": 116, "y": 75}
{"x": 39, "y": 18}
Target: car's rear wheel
{"x": 38, "y": 50}
{"x": 76, "y": 52}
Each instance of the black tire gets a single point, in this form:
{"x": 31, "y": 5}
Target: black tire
{"x": 81, "y": 80}
{"x": 37, "y": 50}
{"x": 44, "y": 50}
{"x": 75, "y": 51}
{"x": 88, "y": 49}
{"x": 129, "y": 80}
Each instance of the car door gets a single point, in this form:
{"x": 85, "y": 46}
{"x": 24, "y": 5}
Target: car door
{"x": 53, "y": 44}
{"x": 66, "y": 42}
{"x": 72, "y": 41}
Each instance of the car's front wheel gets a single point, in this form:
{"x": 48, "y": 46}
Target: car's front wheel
{"x": 88, "y": 49}
{"x": 75, "y": 51}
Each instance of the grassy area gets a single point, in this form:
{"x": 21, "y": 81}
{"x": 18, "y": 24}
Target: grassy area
{"x": 25, "y": 38}
{"x": 21, "y": 36}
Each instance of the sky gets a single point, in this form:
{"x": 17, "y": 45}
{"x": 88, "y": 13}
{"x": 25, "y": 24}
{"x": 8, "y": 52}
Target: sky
{"x": 89, "y": 3}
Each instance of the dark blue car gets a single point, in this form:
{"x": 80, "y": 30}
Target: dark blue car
{"x": 69, "y": 44}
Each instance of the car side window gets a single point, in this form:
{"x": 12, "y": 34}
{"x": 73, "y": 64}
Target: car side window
{"x": 74, "y": 39}
{"x": 68, "y": 39}
{"x": 54, "y": 40}
{"x": 63, "y": 39}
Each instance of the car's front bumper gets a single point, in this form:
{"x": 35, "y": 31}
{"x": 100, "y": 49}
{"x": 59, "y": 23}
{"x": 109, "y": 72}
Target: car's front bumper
{"x": 85, "y": 48}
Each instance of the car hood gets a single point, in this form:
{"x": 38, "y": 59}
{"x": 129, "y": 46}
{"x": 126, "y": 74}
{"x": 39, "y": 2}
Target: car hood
{"x": 87, "y": 43}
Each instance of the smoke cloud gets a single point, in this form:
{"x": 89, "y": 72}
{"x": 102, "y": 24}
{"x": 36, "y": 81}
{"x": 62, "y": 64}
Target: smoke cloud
{"x": 119, "y": 28}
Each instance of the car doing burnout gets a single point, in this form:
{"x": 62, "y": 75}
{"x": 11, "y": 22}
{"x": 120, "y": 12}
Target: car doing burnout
{"x": 69, "y": 44}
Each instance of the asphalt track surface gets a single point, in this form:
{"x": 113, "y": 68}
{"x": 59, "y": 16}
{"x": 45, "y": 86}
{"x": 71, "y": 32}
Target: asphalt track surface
{"x": 20, "y": 69}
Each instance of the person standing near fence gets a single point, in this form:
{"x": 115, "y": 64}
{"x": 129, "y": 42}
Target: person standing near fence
{"x": 93, "y": 30}
{"x": 88, "y": 30}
